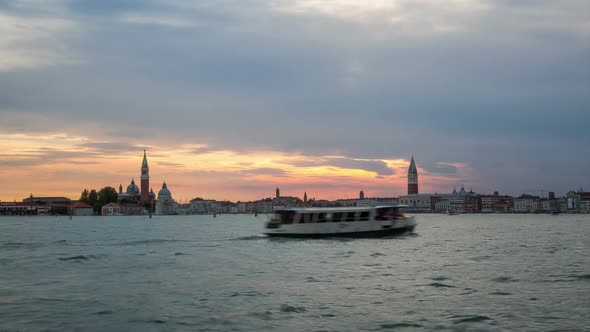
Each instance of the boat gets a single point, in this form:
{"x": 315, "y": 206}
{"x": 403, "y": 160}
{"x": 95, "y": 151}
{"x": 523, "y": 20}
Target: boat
{"x": 353, "y": 222}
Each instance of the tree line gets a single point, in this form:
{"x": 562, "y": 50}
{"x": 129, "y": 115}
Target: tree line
{"x": 98, "y": 199}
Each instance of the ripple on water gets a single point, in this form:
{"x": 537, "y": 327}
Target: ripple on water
{"x": 504, "y": 279}
{"x": 580, "y": 276}
{"x": 291, "y": 309}
{"x": 266, "y": 315}
{"x": 80, "y": 258}
{"x": 471, "y": 319}
{"x": 103, "y": 312}
{"x": 440, "y": 285}
{"x": 149, "y": 241}
{"x": 312, "y": 279}
{"x": 393, "y": 326}
{"x": 500, "y": 293}
{"x": 440, "y": 278}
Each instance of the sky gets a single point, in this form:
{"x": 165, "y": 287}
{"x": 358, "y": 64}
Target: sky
{"x": 232, "y": 98}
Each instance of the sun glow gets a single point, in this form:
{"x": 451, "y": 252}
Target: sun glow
{"x": 59, "y": 164}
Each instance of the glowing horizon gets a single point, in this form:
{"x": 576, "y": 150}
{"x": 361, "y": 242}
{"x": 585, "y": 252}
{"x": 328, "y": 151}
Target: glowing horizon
{"x": 62, "y": 165}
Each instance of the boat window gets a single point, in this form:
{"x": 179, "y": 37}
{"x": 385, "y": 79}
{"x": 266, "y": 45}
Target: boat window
{"x": 337, "y": 216}
{"x": 364, "y": 216}
{"x": 306, "y": 218}
{"x": 350, "y": 216}
{"x": 287, "y": 217}
{"x": 321, "y": 217}
{"x": 384, "y": 214}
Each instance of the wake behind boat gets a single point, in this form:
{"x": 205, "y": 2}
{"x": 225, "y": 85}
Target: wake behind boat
{"x": 362, "y": 222}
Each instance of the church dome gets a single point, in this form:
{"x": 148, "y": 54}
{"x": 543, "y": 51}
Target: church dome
{"x": 164, "y": 192}
{"x": 133, "y": 189}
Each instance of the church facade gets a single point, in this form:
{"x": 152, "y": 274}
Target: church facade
{"x": 142, "y": 197}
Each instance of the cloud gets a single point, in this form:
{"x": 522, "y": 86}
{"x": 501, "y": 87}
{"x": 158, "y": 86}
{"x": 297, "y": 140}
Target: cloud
{"x": 31, "y": 42}
{"x": 492, "y": 85}
{"x": 442, "y": 168}
{"x": 265, "y": 171}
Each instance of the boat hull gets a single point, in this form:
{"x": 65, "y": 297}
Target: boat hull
{"x": 387, "y": 232}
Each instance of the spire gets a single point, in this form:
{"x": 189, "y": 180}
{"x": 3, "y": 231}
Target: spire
{"x": 412, "y": 164}
{"x": 164, "y": 186}
{"x": 144, "y": 164}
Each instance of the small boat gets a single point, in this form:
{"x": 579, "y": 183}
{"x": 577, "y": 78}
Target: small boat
{"x": 355, "y": 222}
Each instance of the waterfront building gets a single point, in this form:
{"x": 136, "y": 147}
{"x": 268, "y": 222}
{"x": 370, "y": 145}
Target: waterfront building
{"x": 412, "y": 178}
{"x": 131, "y": 209}
{"x": 577, "y": 200}
{"x": 132, "y": 194}
{"x": 111, "y": 209}
{"x": 142, "y": 196}
{"x": 526, "y": 203}
{"x": 80, "y": 209}
{"x": 165, "y": 204}
{"x": 417, "y": 202}
{"x": 18, "y": 209}
{"x": 48, "y": 205}
{"x": 496, "y": 203}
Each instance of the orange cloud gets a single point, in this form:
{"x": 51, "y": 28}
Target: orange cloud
{"x": 65, "y": 165}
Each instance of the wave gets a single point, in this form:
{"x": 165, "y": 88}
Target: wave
{"x": 580, "y": 276}
{"x": 440, "y": 285}
{"x": 81, "y": 257}
{"x": 500, "y": 293}
{"x": 504, "y": 279}
{"x": 250, "y": 238}
{"x": 472, "y": 319}
{"x": 399, "y": 325}
{"x": 288, "y": 309}
{"x": 17, "y": 245}
{"x": 440, "y": 278}
{"x": 104, "y": 312}
{"x": 149, "y": 241}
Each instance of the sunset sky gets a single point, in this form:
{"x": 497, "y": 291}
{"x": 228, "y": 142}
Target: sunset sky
{"x": 234, "y": 98}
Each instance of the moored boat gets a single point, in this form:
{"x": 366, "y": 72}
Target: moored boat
{"x": 363, "y": 222}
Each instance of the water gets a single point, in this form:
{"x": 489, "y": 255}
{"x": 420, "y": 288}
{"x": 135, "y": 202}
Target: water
{"x": 199, "y": 273}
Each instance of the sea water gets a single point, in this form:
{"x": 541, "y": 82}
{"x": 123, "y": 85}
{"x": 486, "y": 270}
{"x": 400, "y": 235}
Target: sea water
{"x": 199, "y": 273}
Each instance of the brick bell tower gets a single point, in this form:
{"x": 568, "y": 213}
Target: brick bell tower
{"x": 412, "y": 178}
{"x": 145, "y": 180}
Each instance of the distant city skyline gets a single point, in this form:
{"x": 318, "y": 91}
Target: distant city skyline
{"x": 233, "y": 99}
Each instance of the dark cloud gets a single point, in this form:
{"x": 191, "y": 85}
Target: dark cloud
{"x": 441, "y": 169}
{"x": 497, "y": 93}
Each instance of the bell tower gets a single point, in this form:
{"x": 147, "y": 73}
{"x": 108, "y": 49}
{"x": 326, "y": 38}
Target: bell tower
{"x": 145, "y": 180}
{"x": 412, "y": 178}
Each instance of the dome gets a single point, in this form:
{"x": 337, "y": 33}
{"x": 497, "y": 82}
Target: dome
{"x": 133, "y": 189}
{"x": 151, "y": 193}
{"x": 164, "y": 192}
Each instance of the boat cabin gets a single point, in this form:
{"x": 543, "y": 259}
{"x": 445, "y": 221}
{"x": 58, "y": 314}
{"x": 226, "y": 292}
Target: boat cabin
{"x": 336, "y": 215}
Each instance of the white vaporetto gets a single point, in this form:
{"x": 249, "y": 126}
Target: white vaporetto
{"x": 365, "y": 221}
